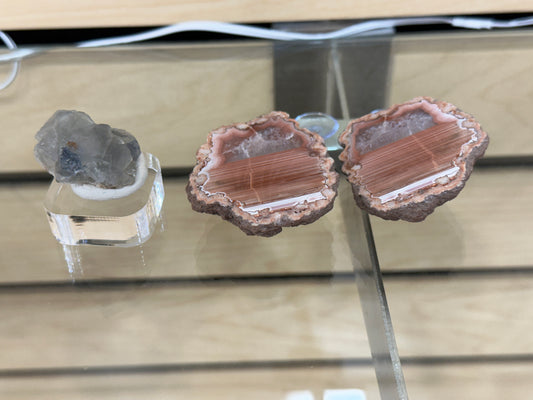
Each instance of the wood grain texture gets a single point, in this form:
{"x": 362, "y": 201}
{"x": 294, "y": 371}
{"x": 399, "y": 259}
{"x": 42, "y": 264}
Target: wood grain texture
{"x": 487, "y": 225}
{"x": 180, "y": 324}
{"x": 438, "y": 382}
{"x": 462, "y": 316}
{"x": 469, "y": 382}
{"x": 230, "y": 385}
{"x": 480, "y": 228}
{"x": 82, "y": 13}
{"x": 168, "y": 97}
{"x": 270, "y": 321}
{"x": 487, "y": 76}
{"x": 192, "y": 244}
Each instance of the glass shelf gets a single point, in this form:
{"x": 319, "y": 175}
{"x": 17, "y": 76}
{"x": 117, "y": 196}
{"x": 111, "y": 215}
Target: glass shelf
{"x": 201, "y": 310}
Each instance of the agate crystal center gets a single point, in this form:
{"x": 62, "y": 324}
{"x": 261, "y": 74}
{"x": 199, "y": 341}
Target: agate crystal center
{"x": 263, "y": 175}
{"x": 405, "y": 161}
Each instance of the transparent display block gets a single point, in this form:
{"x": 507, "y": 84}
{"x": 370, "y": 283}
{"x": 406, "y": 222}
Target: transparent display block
{"x": 126, "y": 221}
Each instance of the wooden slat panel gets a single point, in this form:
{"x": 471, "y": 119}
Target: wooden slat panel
{"x": 180, "y": 324}
{"x": 485, "y": 75}
{"x": 487, "y": 225}
{"x": 192, "y": 244}
{"x": 438, "y": 382}
{"x": 462, "y": 316}
{"x": 168, "y": 97}
{"x": 259, "y": 322}
{"x": 470, "y": 382}
{"x": 253, "y": 322}
{"x": 477, "y": 229}
{"x": 230, "y": 385}
{"x": 81, "y": 13}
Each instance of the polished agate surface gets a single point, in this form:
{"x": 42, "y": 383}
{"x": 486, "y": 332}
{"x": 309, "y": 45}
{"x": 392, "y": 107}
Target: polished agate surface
{"x": 263, "y": 175}
{"x": 404, "y": 161}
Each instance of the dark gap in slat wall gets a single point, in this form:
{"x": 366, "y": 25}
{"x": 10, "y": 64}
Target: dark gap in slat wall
{"x": 433, "y": 361}
{"x": 26, "y": 37}
{"x": 266, "y": 279}
{"x": 181, "y": 172}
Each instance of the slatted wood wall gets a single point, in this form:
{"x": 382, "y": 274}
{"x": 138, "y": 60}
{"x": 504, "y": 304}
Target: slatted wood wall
{"x": 459, "y": 284}
{"x": 26, "y": 14}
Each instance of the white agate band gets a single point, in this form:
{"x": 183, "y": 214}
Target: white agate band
{"x": 91, "y": 192}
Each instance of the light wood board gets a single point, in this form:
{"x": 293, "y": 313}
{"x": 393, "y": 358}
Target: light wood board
{"x": 264, "y": 384}
{"x": 462, "y": 316}
{"x": 192, "y": 244}
{"x": 487, "y": 76}
{"x": 438, "y": 382}
{"x": 82, "y": 13}
{"x": 487, "y": 225}
{"x": 263, "y": 321}
{"x": 168, "y": 97}
{"x": 180, "y": 324}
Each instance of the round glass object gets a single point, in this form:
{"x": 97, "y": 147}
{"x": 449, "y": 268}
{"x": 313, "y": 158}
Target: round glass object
{"x": 323, "y": 124}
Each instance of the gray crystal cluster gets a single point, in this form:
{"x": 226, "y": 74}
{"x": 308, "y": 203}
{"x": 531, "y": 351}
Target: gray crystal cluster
{"x": 73, "y": 148}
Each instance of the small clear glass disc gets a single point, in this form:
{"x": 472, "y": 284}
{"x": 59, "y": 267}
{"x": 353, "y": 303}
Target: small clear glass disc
{"x": 323, "y": 124}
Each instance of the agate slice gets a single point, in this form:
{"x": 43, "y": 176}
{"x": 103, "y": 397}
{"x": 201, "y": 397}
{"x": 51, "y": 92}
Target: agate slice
{"x": 263, "y": 175}
{"x": 405, "y": 161}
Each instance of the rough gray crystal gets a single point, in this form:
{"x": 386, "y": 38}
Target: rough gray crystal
{"x": 73, "y": 148}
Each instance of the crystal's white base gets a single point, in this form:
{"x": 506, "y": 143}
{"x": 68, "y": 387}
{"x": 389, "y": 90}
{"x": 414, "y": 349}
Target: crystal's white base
{"x": 124, "y": 221}
{"x": 91, "y": 192}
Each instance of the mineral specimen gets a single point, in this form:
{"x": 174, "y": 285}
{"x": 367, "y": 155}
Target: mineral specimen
{"x": 78, "y": 151}
{"x": 263, "y": 175}
{"x": 405, "y": 161}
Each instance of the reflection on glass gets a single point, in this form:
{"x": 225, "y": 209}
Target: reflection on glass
{"x": 300, "y": 395}
{"x": 344, "y": 394}
{"x": 329, "y": 394}
{"x": 373, "y": 301}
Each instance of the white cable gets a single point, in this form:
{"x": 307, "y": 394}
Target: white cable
{"x": 11, "y": 45}
{"x": 273, "y": 34}
{"x": 515, "y": 23}
{"x": 262, "y": 33}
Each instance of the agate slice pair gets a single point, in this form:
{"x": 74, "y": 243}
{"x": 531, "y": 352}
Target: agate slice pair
{"x": 402, "y": 162}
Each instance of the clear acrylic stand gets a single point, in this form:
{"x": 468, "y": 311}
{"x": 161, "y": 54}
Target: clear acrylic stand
{"x": 127, "y": 221}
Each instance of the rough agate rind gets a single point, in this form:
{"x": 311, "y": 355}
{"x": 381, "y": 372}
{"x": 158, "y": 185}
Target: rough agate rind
{"x": 405, "y": 161}
{"x": 263, "y": 175}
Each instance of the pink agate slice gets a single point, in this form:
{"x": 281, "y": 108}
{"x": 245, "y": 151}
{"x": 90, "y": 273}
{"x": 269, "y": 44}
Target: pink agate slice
{"x": 263, "y": 175}
{"x": 405, "y": 161}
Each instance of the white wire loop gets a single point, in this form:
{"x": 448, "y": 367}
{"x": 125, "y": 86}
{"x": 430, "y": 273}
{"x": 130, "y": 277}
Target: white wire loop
{"x": 15, "y": 65}
{"x": 16, "y": 54}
